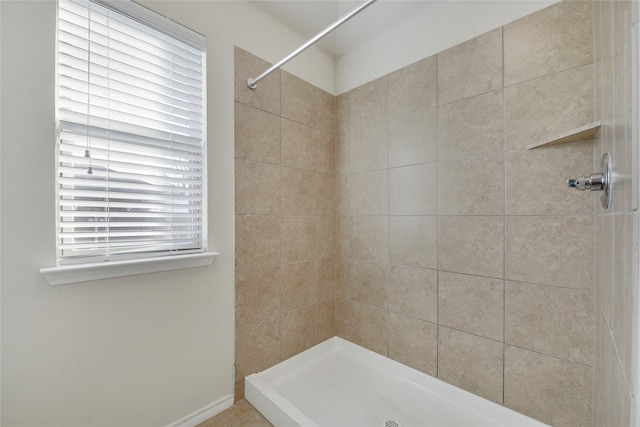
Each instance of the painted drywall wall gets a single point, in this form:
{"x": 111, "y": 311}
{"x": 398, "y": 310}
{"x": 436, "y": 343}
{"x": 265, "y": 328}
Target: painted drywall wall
{"x": 436, "y": 28}
{"x": 142, "y": 350}
{"x": 246, "y": 26}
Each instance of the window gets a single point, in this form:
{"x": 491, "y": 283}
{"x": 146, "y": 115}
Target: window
{"x": 131, "y": 157}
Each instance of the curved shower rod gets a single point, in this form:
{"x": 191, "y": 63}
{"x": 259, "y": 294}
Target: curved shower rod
{"x": 253, "y": 83}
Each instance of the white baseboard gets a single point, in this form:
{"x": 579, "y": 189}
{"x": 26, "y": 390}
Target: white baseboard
{"x": 203, "y": 414}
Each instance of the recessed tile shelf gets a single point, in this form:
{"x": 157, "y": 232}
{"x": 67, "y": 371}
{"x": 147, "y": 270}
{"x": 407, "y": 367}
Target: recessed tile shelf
{"x": 583, "y": 133}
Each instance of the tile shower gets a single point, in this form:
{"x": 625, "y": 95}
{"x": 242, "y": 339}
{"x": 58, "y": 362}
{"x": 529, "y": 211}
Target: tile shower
{"x": 615, "y": 245}
{"x": 407, "y": 216}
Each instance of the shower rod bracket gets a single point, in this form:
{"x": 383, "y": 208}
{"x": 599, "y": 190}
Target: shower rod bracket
{"x": 253, "y": 83}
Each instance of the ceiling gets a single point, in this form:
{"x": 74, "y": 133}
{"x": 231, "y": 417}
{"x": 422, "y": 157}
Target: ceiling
{"x": 309, "y": 17}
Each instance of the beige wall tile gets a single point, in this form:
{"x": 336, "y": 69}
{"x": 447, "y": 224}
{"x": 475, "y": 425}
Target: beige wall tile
{"x": 471, "y": 304}
{"x": 413, "y": 87}
{"x": 257, "y": 295}
{"x": 326, "y": 194}
{"x": 342, "y": 113}
{"x": 368, "y": 283}
{"x": 343, "y": 157}
{"x": 238, "y": 389}
{"x": 609, "y": 365}
{"x": 607, "y": 59}
{"x": 470, "y": 68}
{"x": 369, "y": 148}
{"x": 298, "y": 192}
{"x": 326, "y": 278}
{"x": 622, "y": 134}
{"x": 298, "y": 330}
{"x": 529, "y": 50}
{"x": 370, "y": 327}
{"x": 299, "y": 287}
{"x": 326, "y": 325}
{"x": 343, "y": 195}
{"x": 326, "y": 235}
{"x": 413, "y": 190}
{"x": 413, "y": 138}
{"x": 257, "y": 346}
{"x": 369, "y": 238}
{"x": 414, "y": 343}
{"x": 623, "y": 289}
{"x": 621, "y": 399}
{"x": 413, "y": 240}
{"x": 257, "y": 134}
{"x": 298, "y": 238}
{"x": 298, "y": 145}
{"x": 542, "y": 108}
{"x": 471, "y": 126}
{"x": 414, "y": 292}
{"x": 597, "y": 270}
{"x": 471, "y": 363}
{"x": 471, "y": 245}
{"x": 342, "y": 278}
{"x": 555, "y": 251}
{"x": 325, "y": 152}
{"x": 343, "y": 236}
{"x": 622, "y": 22}
{"x": 298, "y": 100}
{"x": 249, "y": 66}
{"x": 554, "y": 391}
{"x": 370, "y": 193}
{"x": 550, "y": 320}
{"x": 257, "y": 241}
{"x": 343, "y": 318}
{"x": 325, "y": 111}
{"x": 536, "y": 180}
{"x": 602, "y": 369}
{"x": 597, "y": 58}
{"x": 472, "y": 185}
{"x": 606, "y": 243}
{"x": 598, "y": 283}
{"x": 257, "y": 188}
{"x": 368, "y": 104}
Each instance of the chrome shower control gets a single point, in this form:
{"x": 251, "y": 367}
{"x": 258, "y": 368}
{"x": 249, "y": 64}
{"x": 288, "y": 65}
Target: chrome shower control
{"x": 593, "y": 182}
{"x": 597, "y": 181}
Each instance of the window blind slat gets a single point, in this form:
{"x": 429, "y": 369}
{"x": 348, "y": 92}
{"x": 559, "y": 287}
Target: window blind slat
{"x": 156, "y": 138}
{"x": 112, "y": 206}
{"x": 141, "y": 82}
{"x": 131, "y": 47}
{"x": 77, "y": 11}
{"x": 128, "y": 100}
{"x": 131, "y": 108}
{"x": 72, "y": 77}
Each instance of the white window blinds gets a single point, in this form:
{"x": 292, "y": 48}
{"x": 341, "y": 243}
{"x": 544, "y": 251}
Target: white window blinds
{"x": 131, "y": 149}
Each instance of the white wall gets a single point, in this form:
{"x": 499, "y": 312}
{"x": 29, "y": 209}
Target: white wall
{"x": 436, "y": 28}
{"x": 140, "y": 350}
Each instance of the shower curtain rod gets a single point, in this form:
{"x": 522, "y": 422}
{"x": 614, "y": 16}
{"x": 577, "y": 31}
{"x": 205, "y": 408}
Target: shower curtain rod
{"x": 253, "y": 83}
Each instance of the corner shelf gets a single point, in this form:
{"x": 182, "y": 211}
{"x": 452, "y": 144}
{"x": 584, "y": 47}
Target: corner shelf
{"x": 583, "y": 133}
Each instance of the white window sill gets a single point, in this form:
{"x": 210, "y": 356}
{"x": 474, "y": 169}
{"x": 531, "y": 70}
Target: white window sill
{"x": 66, "y": 274}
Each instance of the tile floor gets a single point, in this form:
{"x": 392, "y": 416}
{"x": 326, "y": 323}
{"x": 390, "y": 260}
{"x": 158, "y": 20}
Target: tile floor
{"x": 241, "y": 414}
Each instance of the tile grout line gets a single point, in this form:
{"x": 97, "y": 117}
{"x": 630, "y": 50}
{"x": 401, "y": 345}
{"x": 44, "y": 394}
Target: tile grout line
{"x": 504, "y": 224}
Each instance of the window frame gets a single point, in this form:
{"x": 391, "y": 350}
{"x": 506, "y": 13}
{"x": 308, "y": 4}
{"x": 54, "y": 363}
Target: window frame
{"x": 64, "y": 273}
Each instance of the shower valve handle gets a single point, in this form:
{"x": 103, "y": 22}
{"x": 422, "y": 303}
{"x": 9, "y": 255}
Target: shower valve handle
{"x": 597, "y": 181}
{"x": 593, "y": 182}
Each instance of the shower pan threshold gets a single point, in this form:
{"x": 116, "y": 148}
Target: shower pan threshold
{"x": 338, "y": 383}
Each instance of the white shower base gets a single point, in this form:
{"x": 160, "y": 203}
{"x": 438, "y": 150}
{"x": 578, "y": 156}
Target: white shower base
{"x": 338, "y": 383}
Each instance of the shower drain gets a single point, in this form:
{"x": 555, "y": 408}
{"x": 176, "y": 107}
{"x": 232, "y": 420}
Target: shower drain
{"x": 390, "y": 423}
